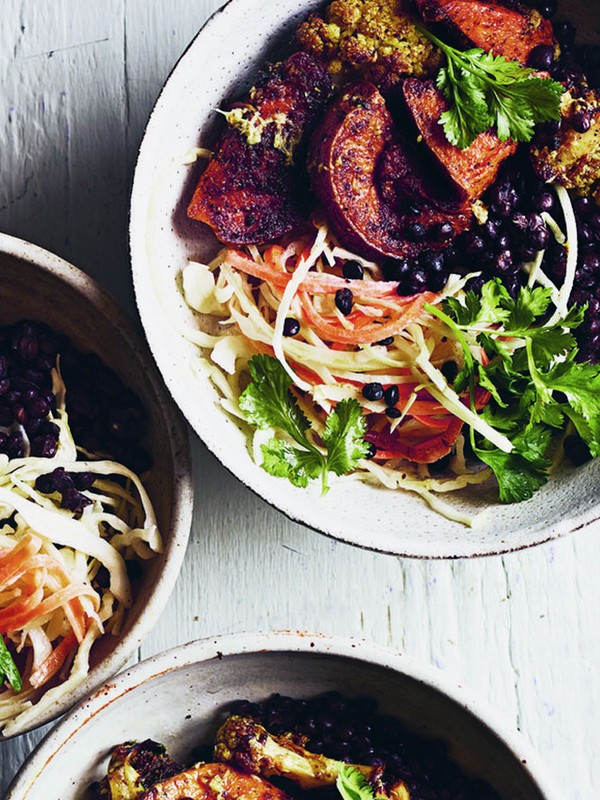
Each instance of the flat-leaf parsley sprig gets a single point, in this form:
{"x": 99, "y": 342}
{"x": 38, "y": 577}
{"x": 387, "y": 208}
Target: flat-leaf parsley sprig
{"x": 487, "y": 91}
{"x": 535, "y": 382}
{"x": 267, "y": 402}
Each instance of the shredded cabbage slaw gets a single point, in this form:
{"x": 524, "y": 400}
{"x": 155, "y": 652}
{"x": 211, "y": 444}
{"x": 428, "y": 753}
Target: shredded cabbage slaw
{"x": 54, "y": 601}
{"x": 246, "y": 295}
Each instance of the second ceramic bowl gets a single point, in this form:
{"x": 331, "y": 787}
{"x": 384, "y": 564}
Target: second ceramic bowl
{"x": 38, "y": 285}
{"x": 177, "y": 698}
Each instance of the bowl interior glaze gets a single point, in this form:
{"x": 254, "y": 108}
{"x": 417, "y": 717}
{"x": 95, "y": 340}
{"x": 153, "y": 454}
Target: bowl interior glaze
{"x": 219, "y": 64}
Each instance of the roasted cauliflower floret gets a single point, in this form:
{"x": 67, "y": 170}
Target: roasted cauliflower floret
{"x": 248, "y": 746}
{"x": 377, "y": 39}
{"x": 134, "y": 768}
{"x": 571, "y": 155}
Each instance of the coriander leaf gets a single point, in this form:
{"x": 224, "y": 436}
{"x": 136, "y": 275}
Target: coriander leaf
{"x": 548, "y": 412}
{"x": 503, "y": 71}
{"x": 494, "y": 346}
{"x": 574, "y": 317}
{"x": 353, "y": 785}
{"x": 8, "y": 668}
{"x": 547, "y": 343}
{"x": 468, "y": 113}
{"x": 485, "y": 382}
{"x": 530, "y": 304}
{"x": 584, "y": 429}
{"x": 492, "y": 307}
{"x": 343, "y": 437}
{"x": 520, "y": 473}
{"x": 267, "y": 401}
{"x": 283, "y": 460}
{"x": 580, "y": 382}
{"x": 543, "y": 94}
{"x": 486, "y": 90}
{"x": 513, "y": 119}
{"x": 533, "y": 444}
{"x": 466, "y": 313}
{"x": 495, "y": 302}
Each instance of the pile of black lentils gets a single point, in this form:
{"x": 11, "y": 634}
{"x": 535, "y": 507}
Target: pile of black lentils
{"x": 351, "y": 730}
{"x": 105, "y": 417}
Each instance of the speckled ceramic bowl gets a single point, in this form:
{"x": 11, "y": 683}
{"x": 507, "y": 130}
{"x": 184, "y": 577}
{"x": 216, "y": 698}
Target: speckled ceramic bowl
{"x": 220, "y": 63}
{"x": 38, "y": 285}
{"x": 175, "y": 698}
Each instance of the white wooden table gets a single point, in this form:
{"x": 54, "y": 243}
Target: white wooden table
{"x": 77, "y": 82}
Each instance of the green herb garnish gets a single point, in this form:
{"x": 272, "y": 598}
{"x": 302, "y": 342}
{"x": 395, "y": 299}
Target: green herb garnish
{"x": 488, "y": 91}
{"x": 8, "y": 668}
{"x": 268, "y": 403}
{"x": 536, "y": 385}
{"x": 353, "y": 785}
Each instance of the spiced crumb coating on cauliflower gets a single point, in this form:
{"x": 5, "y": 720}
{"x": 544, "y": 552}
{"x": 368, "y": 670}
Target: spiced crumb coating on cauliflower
{"x": 570, "y": 156}
{"x": 376, "y": 38}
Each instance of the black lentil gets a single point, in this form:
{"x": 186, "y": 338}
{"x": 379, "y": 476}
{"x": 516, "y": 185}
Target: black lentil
{"x": 372, "y": 391}
{"x": 391, "y": 395}
{"x": 291, "y": 326}
{"x": 344, "y": 300}
{"x": 353, "y": 270}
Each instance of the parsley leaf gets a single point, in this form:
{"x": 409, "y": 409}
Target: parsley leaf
{"x": 267, "y": 402}
{"x": 522, "y": 472}
{"x": 283, "y": 460}
{"x": 535, "y": 383}
{"x": 343, "y": 436}
{"x": 580, "y": 383}
{"x": 530, "y": 303}
{"x": 8, "y": 668}
{"x": 492, "y": 306}
{"x": 487, "y": 91}
{"x": 353, "y": 785}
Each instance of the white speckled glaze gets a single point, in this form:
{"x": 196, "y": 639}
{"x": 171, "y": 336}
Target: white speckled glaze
{"x": 39, "y": 285}
{"x": 176, "y": 697}
{"x": 220, "y": 63}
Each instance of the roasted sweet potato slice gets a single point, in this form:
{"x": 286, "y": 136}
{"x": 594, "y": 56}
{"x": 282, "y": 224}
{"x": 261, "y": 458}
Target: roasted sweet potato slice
{"x": 346, "y": 153}
{"x": 252, "y": 190}
{"x": 471, "y": 171}
{"x": 213, "y": 782}
{"x": 508, "y": 29}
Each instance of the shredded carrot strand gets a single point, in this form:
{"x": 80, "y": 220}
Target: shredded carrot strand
{"x": 16, "y": 620}
{"x": 11, "y": 561}
{"x": 50, "y": 666}
{"x": 368, "y": 334}
{"x": 316, "y": 282}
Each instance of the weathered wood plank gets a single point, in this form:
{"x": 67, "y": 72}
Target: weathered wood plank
{"x": 77, "y": 82}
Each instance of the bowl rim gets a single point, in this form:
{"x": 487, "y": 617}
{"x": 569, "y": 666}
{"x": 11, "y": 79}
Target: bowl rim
{"x": 450, "y": 547}
{"x": 182, "y": 507}
{"x": 294, "y": 642}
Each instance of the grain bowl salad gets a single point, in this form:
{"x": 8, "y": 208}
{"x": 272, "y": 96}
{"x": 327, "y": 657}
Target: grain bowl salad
{"x": 408, "y": 286}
